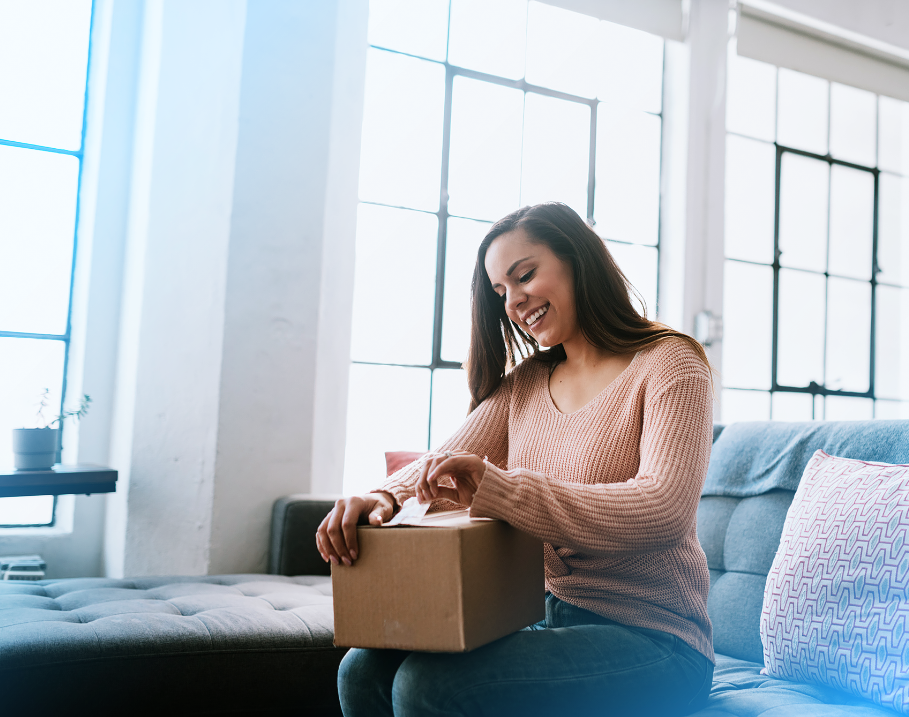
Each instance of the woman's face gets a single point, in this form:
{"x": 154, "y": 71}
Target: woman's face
{"x": 536, "y": 287}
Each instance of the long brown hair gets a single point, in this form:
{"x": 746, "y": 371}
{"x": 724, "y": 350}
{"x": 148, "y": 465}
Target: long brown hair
{"x": 602, "y": 294}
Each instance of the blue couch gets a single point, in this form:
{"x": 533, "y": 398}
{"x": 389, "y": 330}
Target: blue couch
{"x": 754, "y": 471}
{"x": 262, "y": 644}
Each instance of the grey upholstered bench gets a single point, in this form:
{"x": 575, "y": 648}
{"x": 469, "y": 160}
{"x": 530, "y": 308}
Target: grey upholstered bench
{"x": 224, "y": 644}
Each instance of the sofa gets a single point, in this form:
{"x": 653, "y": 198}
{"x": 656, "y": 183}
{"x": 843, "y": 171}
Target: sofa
{"x": 262, "y": 644}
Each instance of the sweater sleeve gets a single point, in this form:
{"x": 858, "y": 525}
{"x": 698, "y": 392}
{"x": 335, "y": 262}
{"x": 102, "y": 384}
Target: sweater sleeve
{"x": 484, "y": 433}
{"x": 652, "y": 511}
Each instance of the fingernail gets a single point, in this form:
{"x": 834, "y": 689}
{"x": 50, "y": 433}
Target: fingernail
{"x": 334, "y": 560}
{"x": 353, "y": 554}
{"x": 347, "y": 562}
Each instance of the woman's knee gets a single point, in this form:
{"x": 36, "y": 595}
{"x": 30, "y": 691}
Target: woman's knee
{"x": 422, "y": 685}
{"x": 364, "y": 681}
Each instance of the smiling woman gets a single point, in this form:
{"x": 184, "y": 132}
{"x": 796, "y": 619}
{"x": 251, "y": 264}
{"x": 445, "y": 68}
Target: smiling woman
{"x": 597, "y": 446}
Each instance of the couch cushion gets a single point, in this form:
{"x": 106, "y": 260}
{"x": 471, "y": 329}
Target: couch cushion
{"x": 739, "y": 690}
{"x": 740, "y": 537}
{"x": 753, "y": 458}
{"x": 218, "y": 643}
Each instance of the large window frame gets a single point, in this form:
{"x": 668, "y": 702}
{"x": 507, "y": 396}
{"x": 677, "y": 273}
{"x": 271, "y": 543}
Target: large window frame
{"x": 813, "y": 388}
{"x": 65, "y": 338}
{"x": 820, "y": 389}
{"x": 442, "y": 214}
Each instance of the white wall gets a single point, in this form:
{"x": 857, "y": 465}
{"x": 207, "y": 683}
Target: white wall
{"x": 243, "y": 176}
{"x": 276, "y": 274}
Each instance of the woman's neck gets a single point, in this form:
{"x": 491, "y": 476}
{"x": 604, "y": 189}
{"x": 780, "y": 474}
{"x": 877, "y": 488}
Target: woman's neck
{"x": 581, "y": 355}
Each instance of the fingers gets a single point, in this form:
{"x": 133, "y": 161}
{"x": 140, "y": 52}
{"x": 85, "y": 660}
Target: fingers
{"x": 339, "y": 529}
{"x": 336, "y": 537}
{"x": 323, "y": 543}
{"x": 452, "y": 494}
{"x": 424, "y": 489}
{"x": 349, "y": 529}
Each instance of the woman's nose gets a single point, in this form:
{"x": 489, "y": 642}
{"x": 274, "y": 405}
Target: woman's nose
{"x": 513, "y": 300}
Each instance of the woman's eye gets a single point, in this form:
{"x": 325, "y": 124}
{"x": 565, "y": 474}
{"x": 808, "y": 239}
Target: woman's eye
{"x": 527, "y": 277}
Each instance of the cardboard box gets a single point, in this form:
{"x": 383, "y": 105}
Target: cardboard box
{"x": 450, "y": 584}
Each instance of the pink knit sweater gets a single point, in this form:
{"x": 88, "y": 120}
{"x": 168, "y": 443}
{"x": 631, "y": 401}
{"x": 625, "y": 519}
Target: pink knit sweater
{"x": 612, "y": 489}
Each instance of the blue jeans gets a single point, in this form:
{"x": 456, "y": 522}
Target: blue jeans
{"x": 573, "y": 663}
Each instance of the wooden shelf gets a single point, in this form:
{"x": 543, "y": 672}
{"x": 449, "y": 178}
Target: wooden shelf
{"x": 59, "y": 480}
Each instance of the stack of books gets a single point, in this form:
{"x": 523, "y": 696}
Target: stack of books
{"x": 22, "y": 567}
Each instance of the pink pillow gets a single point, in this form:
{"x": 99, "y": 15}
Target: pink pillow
{"x": 396, "y": 460}
{"x": 836, "y": 602}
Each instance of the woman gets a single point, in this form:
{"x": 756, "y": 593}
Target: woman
{"x": 599, "y": 447}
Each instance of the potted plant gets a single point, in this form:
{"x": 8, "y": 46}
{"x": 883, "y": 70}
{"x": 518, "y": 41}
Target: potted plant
{"x": 35, "y": 449}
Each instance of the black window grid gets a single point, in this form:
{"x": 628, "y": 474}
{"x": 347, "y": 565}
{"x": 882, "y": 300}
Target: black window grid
{"x": 452, "y": 71}
{"x": 814, "y": 388}
{"x": 79, "y": 154}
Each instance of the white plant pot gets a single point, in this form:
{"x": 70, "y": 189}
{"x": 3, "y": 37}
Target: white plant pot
{"x": 35, "y": 449}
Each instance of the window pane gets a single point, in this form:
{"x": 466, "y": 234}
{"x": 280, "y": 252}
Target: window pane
{"x": 417, "y": 27}
{"x": 853, "y": 124}
{"x": 845, "y": 408}
{"x": 27, "y": 367}
{"x": 800, "y": 358}
{"x": 28, "y": 510}
{"x": 639, "y": 264}
{"x": 747, "y": 326}
{"x": 464, "y": 236}
{"x": 388, "y": 410}
{"x": 450, "y": 401}
{"x": 484, "y": 180}
{"x": 792, "y": 406}
{"x": 556, "y": 147}
{"x": 893, "y": 230}
{"x": 43, "y": 57}
{"x": 750, "y": 199}
{"x": 848, "y": 335}
{"x": 627, "y": 198}
{"x": 802, "y": 121}
{"x": 803, "y": 212}
{"x": 891, "y": 410}
{"x": 489, "y": 36}
{"x": 394, "y": 285}
{"x": 401, "y": 155}
{"x": 37, "y": 223}
{"x": 851, "y": 222}
{"x": 562, "y": 49}
{"x": 745, "y": 406}
{"x": 632, "y": 68}
{"x": 891, "y": 376}
{"x": 893, "y": 135}
{"x": 750, "y": 97}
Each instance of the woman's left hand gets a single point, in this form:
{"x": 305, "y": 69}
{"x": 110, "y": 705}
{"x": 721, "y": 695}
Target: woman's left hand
{"x": 466, "y": 471}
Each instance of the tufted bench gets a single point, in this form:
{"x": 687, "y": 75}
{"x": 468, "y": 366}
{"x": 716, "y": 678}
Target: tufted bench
{"x": 224, "y": 644}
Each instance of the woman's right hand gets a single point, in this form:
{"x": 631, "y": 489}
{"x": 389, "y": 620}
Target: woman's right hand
{"x": 336, "y": 537}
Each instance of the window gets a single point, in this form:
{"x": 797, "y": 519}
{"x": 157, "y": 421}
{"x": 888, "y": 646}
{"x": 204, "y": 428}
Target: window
{"x": 43, "y": 79}
{"x": 473, "y": 109}
{"x": 816, "y": 304}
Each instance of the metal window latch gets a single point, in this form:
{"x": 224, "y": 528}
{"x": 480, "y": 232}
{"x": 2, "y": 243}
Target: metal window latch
{"x": 708, "y": 329}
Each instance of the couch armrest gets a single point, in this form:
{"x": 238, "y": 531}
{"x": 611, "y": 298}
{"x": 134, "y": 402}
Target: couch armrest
{"x": 294, "y": 521}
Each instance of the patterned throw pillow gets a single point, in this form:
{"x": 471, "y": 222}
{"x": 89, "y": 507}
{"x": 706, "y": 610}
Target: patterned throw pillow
{"x": 836, "y": 603}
